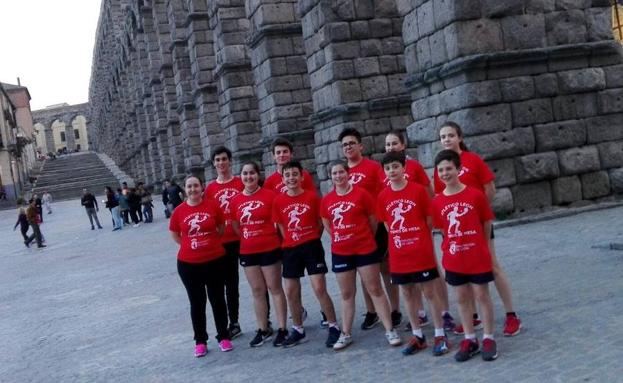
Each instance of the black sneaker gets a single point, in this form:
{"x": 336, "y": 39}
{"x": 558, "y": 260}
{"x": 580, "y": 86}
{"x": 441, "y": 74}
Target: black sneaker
{"x": 294, "y": 338}
{"x": 261, "y": 336}
{"x": 280, "y": 339}
{"x": 467, "y": 349}
{"x": 334, "y": 335}
{"x": 324, "y": 323}
{"x": 396, "y": 318}
{"x": 489, "y": 350}
{"x": 234, "y": 331}
{"x": 371, "y": 320}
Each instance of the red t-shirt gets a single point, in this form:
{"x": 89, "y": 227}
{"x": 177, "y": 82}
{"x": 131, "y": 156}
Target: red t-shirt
{"x": 275, "y": 182}
{"x": 223, "y": 193}
{"x": 461, "y": 217}
{"x": 299, "y": 217}
{"x": 414, "y": 172}
{"x": 197, "y": 226}
{"x": 349, "y": 217}
{"x": 409, "y": 237}
{"x": 474, "y": 173}
{"x": 366, "y": 175}
{"x": 258, "y": 233}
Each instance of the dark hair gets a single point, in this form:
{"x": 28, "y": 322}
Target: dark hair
{"x": 448, "y": 155}
{"x": 109, "y": 190}
{"x": 193, "y": 176}
{"x": 458, "y": 130}
{"x": 349, "y": 132}
{"x": 280, "y": 141}
{"x": 221, "y": 150}
{"x": 397, "y": 133}
{"x": 390, "y": 157}
{"x": 292, "y": 164}
{"x": 337, "y": 163}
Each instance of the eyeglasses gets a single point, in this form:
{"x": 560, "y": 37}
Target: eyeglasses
{"x": 349, "y": 144}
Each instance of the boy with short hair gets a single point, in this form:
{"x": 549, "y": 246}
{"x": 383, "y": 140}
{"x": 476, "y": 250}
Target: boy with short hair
{"x": 464, "y": 216}
{"x": 404, "y": 209}
{"x": 282, "y": 151}
{"x": 296, "y": 213}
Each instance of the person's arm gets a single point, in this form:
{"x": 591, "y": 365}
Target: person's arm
{"x": 95, "y": 202}
{"x": 373, "y": 223}
{"x": 281, "y": 231}
{"x": 176, "y": 237}
{"x": 320, "y": 226}
{"x": 490, "y": 191}
{"x": 327, "y": 225}
{"x": 429, "y": 189}
{"x": 220, "y": 229}
{"x": 236, "y": 226}
{"x": 487, "y": 228}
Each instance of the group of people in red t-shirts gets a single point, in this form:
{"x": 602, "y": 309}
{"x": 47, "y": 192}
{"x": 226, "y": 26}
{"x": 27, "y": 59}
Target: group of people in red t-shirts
{"x": 379, "y": 218}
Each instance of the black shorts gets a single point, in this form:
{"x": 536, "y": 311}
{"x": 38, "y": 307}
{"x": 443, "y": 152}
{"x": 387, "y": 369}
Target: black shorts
{"x": 414, "y": 277}
{"x": 308, "y": 255}
{"x": 492, "y": 234}
{"x": 343, "y": 263}
{"x": 381, "y": 240}
{"x": 260, "y": 259}
{"x": 458, "y": 279}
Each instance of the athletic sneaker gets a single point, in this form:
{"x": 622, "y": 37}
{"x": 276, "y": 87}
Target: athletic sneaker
{"x": 442, "y": 346}
{"x": 467, "y": 349}
{"x": 334, "y": 335}
{"x": 512, "y": 326}
{"x": 294, "y": 338}
{"x": 423, "y": 320}
{"x": 225, "y": 345}
{"x": 415, "y": 344}
{"x": 261, "y": 336}
{"x": 392, "y": 338}
{"x": 324, "y": 323}
{"x": 200, "y": 350}
{"x": 371, "y": 320}
{"x": 280, "y": 339}
{"x": 489, "y": 350}
{"x": 396, "y": 318}
{"x": 234, "y": 331}
{"x": 448, "y": 322}
{"x": 343, "y": 342}
{"x": 458, "y": 330}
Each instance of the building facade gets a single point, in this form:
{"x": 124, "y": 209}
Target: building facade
{"x": 536, "y": 85}
{"x": 62, "y": 127}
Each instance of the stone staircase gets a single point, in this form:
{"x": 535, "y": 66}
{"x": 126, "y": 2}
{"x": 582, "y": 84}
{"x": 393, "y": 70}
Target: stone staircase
{"x": 66, "y": 176}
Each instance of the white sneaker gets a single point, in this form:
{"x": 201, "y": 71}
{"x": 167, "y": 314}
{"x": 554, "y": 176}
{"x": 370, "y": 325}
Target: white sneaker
{"x": 136, "y": 225}
{"x": 343, "y": 342}
{"x": 392, "y": 338}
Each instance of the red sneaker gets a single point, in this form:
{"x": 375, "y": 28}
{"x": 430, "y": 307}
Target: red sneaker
{"x": 458, "y": 330}
{"x": 467, "y": 349}
{"x": 489, "y": 350}
{"x": 512, "y": 325}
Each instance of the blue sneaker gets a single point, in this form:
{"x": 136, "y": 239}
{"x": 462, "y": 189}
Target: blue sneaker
{"x": 448, "y": 322}
{"x": 294, "y": 338}
{"x": 442, "y": 346}
{"x": 415, "y": 344}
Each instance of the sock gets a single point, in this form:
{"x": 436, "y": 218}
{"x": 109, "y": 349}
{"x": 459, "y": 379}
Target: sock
{"x": 470, "y": 336}
{"x": 421, "y": 313}
{"x": 299, "y": 329}
{"x": 511, "y": 314}
{"x": 417, "y": 332}
{"x": 439, "y": 332}
{"x": 475, "y": 316}
{"x": 487, "y": 336}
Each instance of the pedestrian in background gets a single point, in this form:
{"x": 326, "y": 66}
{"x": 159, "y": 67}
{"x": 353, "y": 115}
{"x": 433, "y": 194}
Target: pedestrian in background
{"x": 112, "y": 204}
{"x": 22, "y": 222}
{"x": 46, "y": 198}
{"x": 90, "y": 205}
{"x": 34, "y": 219}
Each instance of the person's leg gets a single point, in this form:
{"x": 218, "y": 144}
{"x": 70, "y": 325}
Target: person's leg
{"x": 465, "y": 300}
{"x": 481, "y": 293}
{"x": 429, "y": 289}
{"x": 409, "y": 294}
{"x": 37, "y": 233}
{"x": 293, "y": 294}
{"x": 272, "y": 277}
{"x": 370, "y": 276}
{"x": 139, "y": 213}
{"x": 258, "y": 290}
{"x": 366, "y": 299}
{"x": 347, "y": 282}
{"x": 196, "y": 290}
{"x": 319, "y": 284}
{"x": 150, "y": 214}
{"x": 24, "y": 232}
{"x": 232, "y": 280}
{"x": 96, "y": 219}
{"x": 90, "y": 215}
{"x": 502, "y": 284}
{"x": 393, "y": 292}
{"x": 216, "y": 294}
{"x": 133, "y": 215}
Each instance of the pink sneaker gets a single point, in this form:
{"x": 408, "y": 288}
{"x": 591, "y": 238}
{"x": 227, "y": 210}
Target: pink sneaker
{"x": 225, "y": 345}
{"x": 201, "y": 350}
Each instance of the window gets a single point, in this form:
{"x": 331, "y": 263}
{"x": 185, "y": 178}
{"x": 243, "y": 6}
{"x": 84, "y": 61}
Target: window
{"x": 77, "y": 134}
{"x": 62, "y": 136}
{"x": 617, "y": 20}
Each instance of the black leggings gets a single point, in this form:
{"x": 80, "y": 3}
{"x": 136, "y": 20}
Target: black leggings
{"x": 196, "y": 277}
{"x": 232, "y": 251}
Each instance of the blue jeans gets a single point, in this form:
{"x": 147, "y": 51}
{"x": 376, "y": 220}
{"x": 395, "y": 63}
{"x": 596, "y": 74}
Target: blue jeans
{"x": 116, "y": 217}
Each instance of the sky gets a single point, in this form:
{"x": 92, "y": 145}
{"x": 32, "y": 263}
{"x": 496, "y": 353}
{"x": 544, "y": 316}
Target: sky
{"x": 48, "y": 44}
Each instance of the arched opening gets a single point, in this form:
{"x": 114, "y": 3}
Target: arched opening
{"x": 79, "y": 125}
{"x": 58, "y": 135}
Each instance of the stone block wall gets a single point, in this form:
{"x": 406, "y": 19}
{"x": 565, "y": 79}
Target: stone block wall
{"x": 536, "y": 87}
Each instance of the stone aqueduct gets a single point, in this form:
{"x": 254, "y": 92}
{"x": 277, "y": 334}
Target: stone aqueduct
{"x": 536, "y": 84}
{"x": 65, "y": 118}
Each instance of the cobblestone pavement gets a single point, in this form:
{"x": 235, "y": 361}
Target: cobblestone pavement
{"x": 109, "y": 306}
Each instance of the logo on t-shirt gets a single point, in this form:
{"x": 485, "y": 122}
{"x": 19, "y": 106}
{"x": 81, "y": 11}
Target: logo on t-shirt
{"x": 464, "y": 169}
{"x": 296, "y": 210}
{"x": 224, "y": 196}
{"x": 337, "y": 210}
{"x": 193, "y": 222}
{"x": 247, "y": 208}
{"x": 355, "y": 178}
{"x": 452, "y": 213}
{"x": 397, "y": 214}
